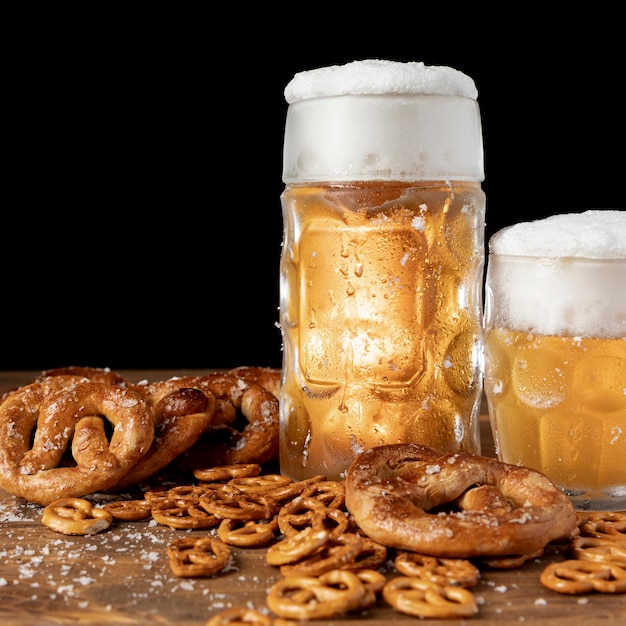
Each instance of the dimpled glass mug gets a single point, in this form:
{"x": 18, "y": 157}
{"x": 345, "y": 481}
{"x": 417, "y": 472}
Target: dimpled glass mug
{"x": 382, "y": 263}
{"x": 555, "y": 352}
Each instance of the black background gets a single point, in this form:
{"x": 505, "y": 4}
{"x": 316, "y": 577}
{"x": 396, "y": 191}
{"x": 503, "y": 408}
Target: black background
{"x": 141, "y": 216}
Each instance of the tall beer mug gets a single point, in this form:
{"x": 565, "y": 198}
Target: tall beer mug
{"x": 555, "y": 352}
{"x": 382, "y": 263}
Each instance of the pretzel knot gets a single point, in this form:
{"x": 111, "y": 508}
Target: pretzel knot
{"x": 577, "y": 576}
{"x": 107, "y": 429}
{"x": 75, "y": 516}
{"x": 245, "y": 430}
{"x": 424, "y": 598}
{"x": 180, "y": 416}
{"x": 309, "y": 597}
{"x": 445, "y": 572}
{"x": 248, "y": 533}
{"x": 610, "y": 525}
{"x": 129, "y": 510}
{"x": 411, "y": 497}
{"x": 197, "y": 557}
{"x": 601, "y": 550}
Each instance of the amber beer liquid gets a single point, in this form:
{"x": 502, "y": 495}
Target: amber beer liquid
{"x": 559, "y": 406}
{"x": 383, "y": 347}
{"x": 555, "y": 352}
{"x": 381, "y": 267}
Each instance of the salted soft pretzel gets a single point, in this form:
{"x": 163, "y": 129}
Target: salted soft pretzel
{"x": 93, "y": 374}
{"x": 106, "y": 427}
{"x": 180, "y": 417}
{"x": 225, "y": 412}
{"x": 410, "y": 497}
{"x": 250, "y": 437}
{"x": 267, "y": 377}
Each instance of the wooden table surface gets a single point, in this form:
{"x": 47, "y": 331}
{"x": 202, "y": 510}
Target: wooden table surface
{"x": 122, "y": 575}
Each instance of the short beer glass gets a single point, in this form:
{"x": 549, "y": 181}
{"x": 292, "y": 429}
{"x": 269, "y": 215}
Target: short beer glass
{"x": 555, "y": 352}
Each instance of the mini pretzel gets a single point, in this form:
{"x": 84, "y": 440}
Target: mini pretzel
{"x": 232, "y": 504}
{"x": 609, "y": 525}
{"x": 331, "y": 492}
{"x": 247, "y": 534}
{"x": 576, "y": 576}
{"x": 240, "y": 617}
{"x": 600, "y": 550}
{"x": 293, "y": 489}
{"x": 370, "y": 556}
{"x": 308, "y": 597}
{"x": 260, "y": 485}
{"x": 226, "y": 472}
{"x": 197, "y": 557}
{"x": 301, "y": 512}
{"x": 334, "y": 554}
{"x": 58, "y": 418}
{"x": 182, "y": 514}
{"x": 75, "y": 516}
{"x": 424, "y": 598}
{"x": 403, "y": 496}
{"x": 442, "y": 571}
{"x": 297, "y": 546}
{"x": 129, "y": 510}
{"x": 372, "y": 579}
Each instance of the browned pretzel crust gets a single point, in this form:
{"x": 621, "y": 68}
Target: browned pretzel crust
{"x": 250, "y": 437}
{"x": 57, "y": 418}
{"x": 180, "y": 418}
{"x": 406, "y": 496}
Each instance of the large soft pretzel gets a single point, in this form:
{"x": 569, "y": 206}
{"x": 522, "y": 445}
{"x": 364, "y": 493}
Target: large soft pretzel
{"x": 180, "y": 417}
{"x": 106, "y": 427}
{"x": 407, "y": 496}
{"x": 252, "y": 434}
{"x": 93, "y": 374}
{"x": 267, "y": 377}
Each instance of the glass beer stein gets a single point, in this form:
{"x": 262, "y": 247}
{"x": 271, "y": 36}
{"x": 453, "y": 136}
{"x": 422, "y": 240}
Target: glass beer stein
{"x": 382, "y": 263}
{"x": 555, "y": 352}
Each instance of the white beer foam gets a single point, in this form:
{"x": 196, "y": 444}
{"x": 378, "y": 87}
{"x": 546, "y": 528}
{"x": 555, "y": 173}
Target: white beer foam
{"x": 382, "y": 120}
{"x": 597, "y": 234}
{"x": 375, "y": 76}
{"x": 563, "y": 275}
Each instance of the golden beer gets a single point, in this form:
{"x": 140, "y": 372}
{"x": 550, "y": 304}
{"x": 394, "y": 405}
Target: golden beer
{"x": 382, "y": 263}
{"x": 382, "y": 324}
{"x": 559, "y": 406}
{"x": 555, "y": 352}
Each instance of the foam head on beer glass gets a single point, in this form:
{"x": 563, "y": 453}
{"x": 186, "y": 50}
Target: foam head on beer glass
{"x": 381, "y": 266}
{"x": 555, "y": 351}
